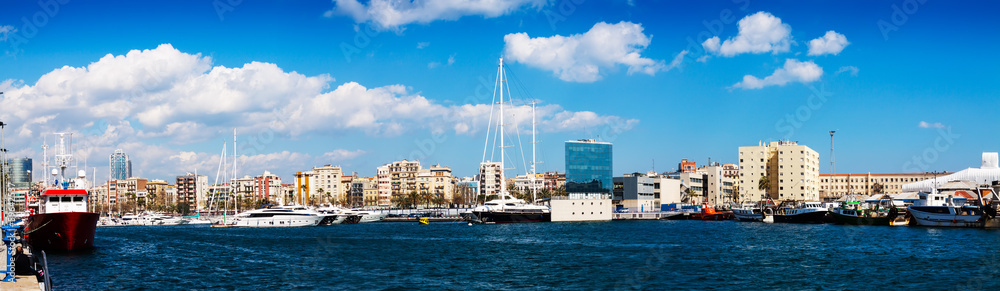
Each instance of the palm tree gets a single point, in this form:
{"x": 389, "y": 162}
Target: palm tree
{"x": 764, "y": 185}
{"x": 321, "y": 193}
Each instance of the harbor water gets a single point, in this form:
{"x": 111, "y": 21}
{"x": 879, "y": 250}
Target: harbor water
{"x": 604, "y": 255}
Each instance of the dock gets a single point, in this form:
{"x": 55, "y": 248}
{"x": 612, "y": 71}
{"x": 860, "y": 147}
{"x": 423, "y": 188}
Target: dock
{"x": 650, "y": 215}
{"x": 430, "y": 219}
{"x": 21, "y": 283}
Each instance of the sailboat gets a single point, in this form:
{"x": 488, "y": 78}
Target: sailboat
{"x": 506, "y": 208}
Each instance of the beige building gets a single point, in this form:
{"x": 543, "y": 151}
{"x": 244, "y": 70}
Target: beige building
{"x": 346, "y": 185}
{"x": 836, "y": 186}
{"x": 403, "y": 177}
{"x": 321, "y": 184}
{"x": 383, "y": 183}
{"x": 438, "y": 181}
{"x": 490, "y": 175}
{"x": 719, "y": 188}
{"x": 791, "y": 169}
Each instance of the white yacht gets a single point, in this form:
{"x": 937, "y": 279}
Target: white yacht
{"x": 367, "y": 215}
{"x": 278, "y": 216}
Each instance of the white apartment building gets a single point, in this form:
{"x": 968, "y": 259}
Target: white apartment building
{"x": 490, "y": 175}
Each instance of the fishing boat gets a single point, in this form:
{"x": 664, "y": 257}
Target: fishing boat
{"x": 506, "y": 208}
{"x": 804, "y": 212}
{"x": 859, "y": 213}
{"x": 61, "y": 221}
{"x": 954, "y": 210}
{"x": 761, "y": 211}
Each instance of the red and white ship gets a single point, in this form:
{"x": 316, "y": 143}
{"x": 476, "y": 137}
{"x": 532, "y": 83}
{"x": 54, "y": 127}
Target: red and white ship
{"x": 61, "y": 220}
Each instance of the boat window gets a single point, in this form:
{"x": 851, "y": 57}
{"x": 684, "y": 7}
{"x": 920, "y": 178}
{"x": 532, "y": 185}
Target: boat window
{"x": 77, "y": 199}
{"x": 53, "y": 199}
{"x": 67, "y": 199}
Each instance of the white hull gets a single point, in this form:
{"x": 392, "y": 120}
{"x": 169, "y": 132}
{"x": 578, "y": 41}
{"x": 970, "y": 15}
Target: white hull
{"x": 373, "y": 217}
{"x": 278, "y": 221}
{"x": 945, "y": 219}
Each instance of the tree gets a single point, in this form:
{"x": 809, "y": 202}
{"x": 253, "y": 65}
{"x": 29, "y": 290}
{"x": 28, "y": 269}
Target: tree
{"x": 764, "y": 185}
{"x": 321, "y": 193}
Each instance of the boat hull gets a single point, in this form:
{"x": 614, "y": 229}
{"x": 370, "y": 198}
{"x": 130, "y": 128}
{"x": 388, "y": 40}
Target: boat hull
{"x": 61, "y": 231}
{"x": 748, "y": 216}
{"x": 808, "y": 217}
{"x": 941, "y": 216}
{"x": 279, "y": 221}
{"x": 855, "y": 220}
{"x": 512, "y": 217}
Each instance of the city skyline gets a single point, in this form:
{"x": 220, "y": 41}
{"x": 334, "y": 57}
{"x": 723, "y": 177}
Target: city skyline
{"x": 362, "y": 85}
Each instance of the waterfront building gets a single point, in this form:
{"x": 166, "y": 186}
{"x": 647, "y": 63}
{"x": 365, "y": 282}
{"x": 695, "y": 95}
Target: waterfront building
{"x": 403, "y": 177}
{"x": 687, "y": 167}
{"x": 19, "y": 171}
{"x": 634, "y": 192}
{"x": 719, "y": 187}
{"x": 192, "y": 189}
{"x": 988, "y": 173}
{"x": 359, "y": 187}
{"x": 345, "y": 188}
{"x": 588, "y": 182}
{"x": 490, "y": 175}
{"x": 466, "y": 190}
{"x": 523, "y": 183}
{"x": 554, "y": 180}
{"x": 215, "y": 198}
{"x": 791, "y": 169}
{"x": 303, "y": 186}
{"x": 369, "y": 190}
{"x": 836, "y": 186}
{"x": 384, "y": 185}
{"x": 327, "y": 184}
{"x": 666, "y": 190}
{"x": 267, "y": 187}
{"x": 437, "y": 181}
{"x": 120, "y": 165}
{"x": 157, "y": 191}
{"x": 242, "y": 187}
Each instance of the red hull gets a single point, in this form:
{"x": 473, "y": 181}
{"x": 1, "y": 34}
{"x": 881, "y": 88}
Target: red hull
{"x": 62, "y": 231}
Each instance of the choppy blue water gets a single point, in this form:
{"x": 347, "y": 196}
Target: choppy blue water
{"x": 607, "y": 255}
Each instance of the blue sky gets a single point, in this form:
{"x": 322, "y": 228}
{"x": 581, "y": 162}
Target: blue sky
{"x": 909, "y": 86}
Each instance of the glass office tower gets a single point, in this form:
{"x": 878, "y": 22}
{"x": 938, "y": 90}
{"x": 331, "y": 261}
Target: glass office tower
{"x": 588, "y": 169}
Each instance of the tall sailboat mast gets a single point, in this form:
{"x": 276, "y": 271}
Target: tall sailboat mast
{"x": 503, "y": 181}
{"x": 534, "y": 187}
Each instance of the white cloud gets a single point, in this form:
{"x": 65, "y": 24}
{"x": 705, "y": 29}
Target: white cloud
{"x": 5, "y": 31}
{"x": 342, "y": 154}
{"x": 451, "y": 59}
{"x": 924, "y": 124}
{"x": 581, "y": 57}
{"x": 831, "y": 43}
{"x": 421, "y": 45}
{"x": 758, "y": 33}
{"x": 432, "y": 65}
{"x": 852, "y": 69}
{"x": 155, "y": 102}
{"x": 390, "y": 14}
{"x": 793, "y": 71}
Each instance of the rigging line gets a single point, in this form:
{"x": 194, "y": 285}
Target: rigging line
{"x": 488, "y": 124}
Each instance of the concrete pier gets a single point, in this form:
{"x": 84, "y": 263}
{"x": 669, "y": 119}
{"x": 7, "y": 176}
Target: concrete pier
{"x": 22, "y": 283}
